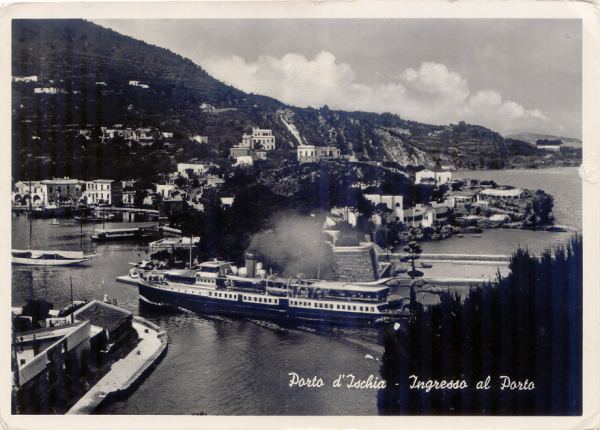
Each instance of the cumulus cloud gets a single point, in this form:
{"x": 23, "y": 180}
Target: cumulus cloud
{"x": 429, "y": 92}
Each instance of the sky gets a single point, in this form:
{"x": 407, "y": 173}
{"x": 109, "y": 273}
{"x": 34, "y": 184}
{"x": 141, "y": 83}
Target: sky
{"x": 511, "y": 75}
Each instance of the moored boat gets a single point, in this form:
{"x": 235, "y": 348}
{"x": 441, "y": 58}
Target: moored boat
{"x": 124, "y": 233}
{"x": 49, "y": 257}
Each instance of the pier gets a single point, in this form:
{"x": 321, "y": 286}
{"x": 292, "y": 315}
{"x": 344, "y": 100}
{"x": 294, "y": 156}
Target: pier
{"x": 128, "y": 372}
{"x": 491, "y": 259}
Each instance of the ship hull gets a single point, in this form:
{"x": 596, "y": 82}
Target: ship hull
{"x": 280, "y": 312}
{"x": 42, "y": 262}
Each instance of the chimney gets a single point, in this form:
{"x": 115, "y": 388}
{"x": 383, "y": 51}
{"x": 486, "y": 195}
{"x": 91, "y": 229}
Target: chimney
{"x": 250, "y": 264}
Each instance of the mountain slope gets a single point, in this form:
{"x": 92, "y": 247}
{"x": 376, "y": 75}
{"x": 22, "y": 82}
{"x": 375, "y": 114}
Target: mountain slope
{"x": 91, "y": 67}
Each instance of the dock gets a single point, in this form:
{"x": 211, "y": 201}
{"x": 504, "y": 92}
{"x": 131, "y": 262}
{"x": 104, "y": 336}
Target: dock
{"x": 128, "y": 372}
{"x": 493, "y": 259}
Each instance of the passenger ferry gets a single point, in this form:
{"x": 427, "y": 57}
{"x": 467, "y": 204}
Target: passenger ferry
{"x": 219, "y": 287}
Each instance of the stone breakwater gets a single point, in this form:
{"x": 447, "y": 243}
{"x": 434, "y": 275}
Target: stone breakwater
{"x": 126, "y": 374}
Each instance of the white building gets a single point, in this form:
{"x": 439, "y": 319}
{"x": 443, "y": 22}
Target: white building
{"x": 32, "y": 78}
{"x": 506, "y": 194}
{"x": 45, "y": 90}
{"x": 199, "y": 169}
{"x": 200, "y": 139}
{"x": 555, "y": 147}
{"x": 260, "y": 138}
{"x": 172, "y": 243}
{"x": 393, "y": 203}
{"x": 26, "y": 192}
{"x": 244, "y": 160}
{"x": 311, "y": 153}
{"x": 227, "y": 202}
{"x": 165, "y": 190}
{"x": 104, "y": 191}
{"x": 434, "y": 177}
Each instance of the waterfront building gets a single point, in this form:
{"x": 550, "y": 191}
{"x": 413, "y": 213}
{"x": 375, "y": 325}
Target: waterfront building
{"x": 172, "y": 243}
{"x": 45, "y": 361}
{"x": 104, "y": 191}
{"x": 413, "y": 217}
{"x": 312, "y": 153}
{"x": 129, "y": 198}
{"x": 505, "y": 194}
{"x": 391, "y": 202}
{"x": 435, "y": 177}
{"x": 110, "y": 324}
{"x": 63, "y": 189}
{"x": 458, "y": 199}
{"x": 26, "y": 192}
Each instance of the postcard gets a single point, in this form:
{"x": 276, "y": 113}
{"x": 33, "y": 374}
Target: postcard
{"x": 301, "y": 214}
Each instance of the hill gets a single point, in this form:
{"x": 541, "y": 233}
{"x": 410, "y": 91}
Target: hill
{"x": 95, "y": 76}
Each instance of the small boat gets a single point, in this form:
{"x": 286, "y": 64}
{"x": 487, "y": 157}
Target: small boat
{"x": 49, "y": 257}
{"x": 54, "y": 222}
{"x": 426, "y": 265}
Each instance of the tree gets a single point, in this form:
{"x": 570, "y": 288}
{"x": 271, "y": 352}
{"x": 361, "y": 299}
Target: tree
{"x": 542, "y": 205}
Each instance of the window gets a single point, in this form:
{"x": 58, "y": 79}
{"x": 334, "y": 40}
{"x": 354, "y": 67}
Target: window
{"x": 353, "y": 308}
{"x": 360, "y": 308}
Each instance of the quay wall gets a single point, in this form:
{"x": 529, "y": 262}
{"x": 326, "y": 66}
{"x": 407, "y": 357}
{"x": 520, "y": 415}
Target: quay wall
{"x": 99, "y": 396}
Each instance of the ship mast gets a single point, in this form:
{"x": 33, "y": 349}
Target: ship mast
{"x": 29, "y": 213}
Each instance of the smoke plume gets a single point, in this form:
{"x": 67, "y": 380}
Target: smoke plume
{"x": 294, "y": 246}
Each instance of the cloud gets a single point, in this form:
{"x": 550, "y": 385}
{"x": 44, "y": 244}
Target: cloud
{"x": 429, "y": 92}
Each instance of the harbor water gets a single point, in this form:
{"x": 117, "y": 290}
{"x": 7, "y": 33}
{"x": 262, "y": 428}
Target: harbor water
{"x": 235, "y": 366}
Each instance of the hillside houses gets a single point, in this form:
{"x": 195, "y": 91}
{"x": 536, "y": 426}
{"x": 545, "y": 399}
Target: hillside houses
{"x": 253, "y": 146}
{"x": 312, "y": 154}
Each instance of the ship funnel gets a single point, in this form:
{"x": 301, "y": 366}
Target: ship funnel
{"x": 250, "y": 264}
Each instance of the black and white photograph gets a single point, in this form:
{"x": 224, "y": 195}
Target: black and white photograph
{"x": 297, "y": 216}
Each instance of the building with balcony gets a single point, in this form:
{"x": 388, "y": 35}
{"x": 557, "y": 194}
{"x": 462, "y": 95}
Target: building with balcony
{"x": 104, "y": 191}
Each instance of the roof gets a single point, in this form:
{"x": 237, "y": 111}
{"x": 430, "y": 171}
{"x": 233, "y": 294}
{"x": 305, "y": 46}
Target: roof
{"x": 499, "y": 192}
{"x": 355, "y": 287}
{"x": 62, "y": 181}
{"x": 103, "y": 181}
{"x": 103, "y": 315}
